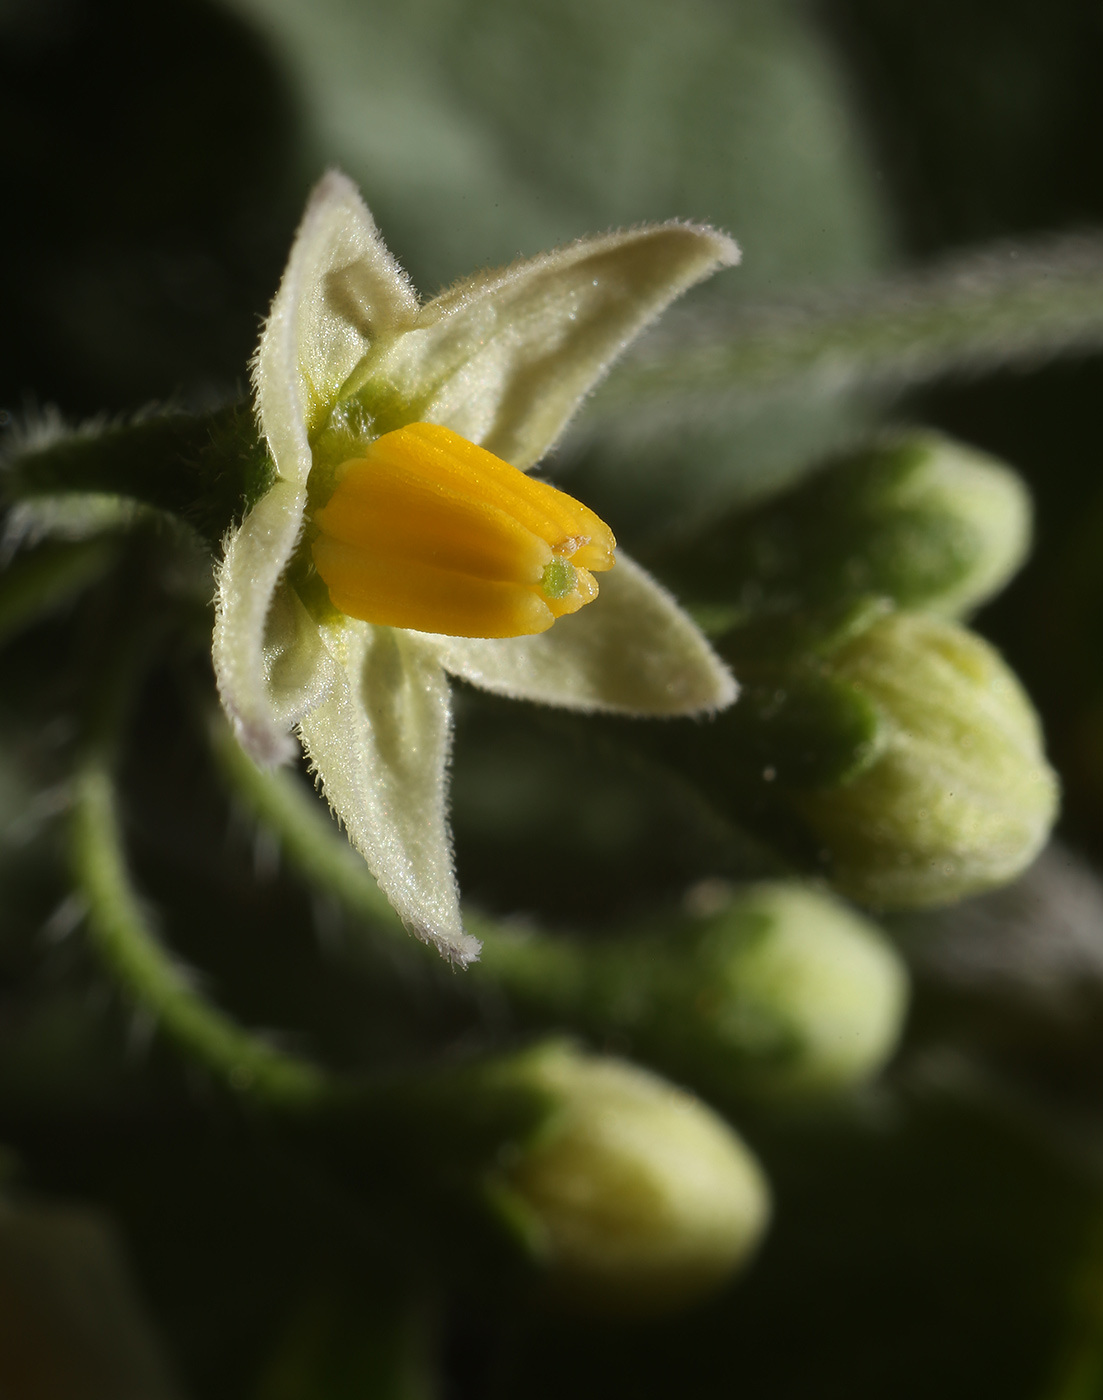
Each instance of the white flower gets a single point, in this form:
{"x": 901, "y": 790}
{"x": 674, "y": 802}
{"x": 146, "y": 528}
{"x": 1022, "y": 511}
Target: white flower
{"x": 503, "y": 359}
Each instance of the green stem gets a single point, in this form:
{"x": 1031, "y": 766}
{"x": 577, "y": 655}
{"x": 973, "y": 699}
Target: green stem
{"x": 455, "y": 1117}
{"x": 279, "y": 801}
{"x": 207, "y": 470}
{"x": 1001, "y": 307}
{"x": 552, "y": 980}
{"x": 312, "y": 843}
{"x": 47, "y": 578}
{"x": 121, "y": 933}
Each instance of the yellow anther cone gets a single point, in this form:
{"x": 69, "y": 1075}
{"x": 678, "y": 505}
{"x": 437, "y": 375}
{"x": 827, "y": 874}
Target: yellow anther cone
{"x": 430, "y": 532}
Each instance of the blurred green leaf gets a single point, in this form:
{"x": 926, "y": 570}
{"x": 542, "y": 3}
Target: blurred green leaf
{"x": 484, "y": 129}
{"x": 480, "y": 129}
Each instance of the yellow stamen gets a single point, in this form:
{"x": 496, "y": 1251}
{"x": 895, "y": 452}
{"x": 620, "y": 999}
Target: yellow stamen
{"x": 428, "y": 531}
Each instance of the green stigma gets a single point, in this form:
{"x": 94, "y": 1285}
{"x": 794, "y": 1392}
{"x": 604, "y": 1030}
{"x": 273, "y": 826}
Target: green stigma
{"x": 559, "y": 579}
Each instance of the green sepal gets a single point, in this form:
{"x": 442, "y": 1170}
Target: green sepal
{"x": 796, "y": 724}
{"x": 798, "y": 727}
{"x": 916, "y": 518}
{"x": 798, "y": 636}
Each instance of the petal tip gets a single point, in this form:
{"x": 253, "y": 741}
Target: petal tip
{"x": 727, "y": 693}
{"x": 726, "y": 252}
{"x": 455, "y": 947}
{"x": 266, "y": 746}
{"x": 334, "y": 184}
{"x": 716, "y": 691}
{"x": 713, "y": 248}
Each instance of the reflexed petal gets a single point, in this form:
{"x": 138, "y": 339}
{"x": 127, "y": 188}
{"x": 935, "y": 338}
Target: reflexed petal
{"x": 633, "y": 651}
{"x": 298, "y": 668}
{"x": 341, "y": 288}
{"x": 379, "y": 744}
{"x": 255, "y": 558}
{"x": 504, "y": 358}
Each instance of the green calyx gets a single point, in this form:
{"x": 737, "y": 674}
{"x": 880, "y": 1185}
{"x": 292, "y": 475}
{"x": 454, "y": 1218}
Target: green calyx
{"x": 960, "y": 797}
{"x": 915, "y": 518}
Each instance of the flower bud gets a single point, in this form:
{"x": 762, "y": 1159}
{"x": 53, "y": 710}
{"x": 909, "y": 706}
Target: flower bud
{"x": 430, "y": 532}
{"x": 794, "y": 993}
{"x": 774, "y": 989}
{"x": 959, "y": 797}
{"x": 642, "y": 1198}
{"x": 919, "y": 519}
{"x": 948, "y": 525}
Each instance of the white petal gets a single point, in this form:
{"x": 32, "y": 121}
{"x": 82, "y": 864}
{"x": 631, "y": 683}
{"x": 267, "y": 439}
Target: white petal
{"x": 255, "y": 557}
{"x": 631, "y": 651}
{"x": 340, "y": 291}
{"x": 380, "y": 744}
{"x": 341, "y": 287}
{"x": 504, "y": 358}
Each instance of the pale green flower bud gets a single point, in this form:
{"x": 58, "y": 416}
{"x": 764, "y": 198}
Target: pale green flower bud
{"x": 641, "y": 1198}
{"x": 959, "y": 797}
{"x": 955, "y": 524}
{"x": 776, "y": 989}
{"x": 924, "y": 521}
{"x": 795, "y": 993}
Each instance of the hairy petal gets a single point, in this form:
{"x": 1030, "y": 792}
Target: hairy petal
{"x": 631, "y": 651}
{"x": 341, "y": 287}
{"x": 379, "y": 743}
{"x": 504, "y": 358}
{"x": 341, "y": 291}
{"x": 254, "y": 558}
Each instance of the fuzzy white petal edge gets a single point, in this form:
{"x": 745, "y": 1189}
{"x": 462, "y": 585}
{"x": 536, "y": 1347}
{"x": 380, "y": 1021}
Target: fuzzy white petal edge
{"x": 631, "y": 651}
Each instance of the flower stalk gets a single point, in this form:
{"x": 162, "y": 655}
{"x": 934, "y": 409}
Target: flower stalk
{"x": 207, "y": 470}
{"x": 780, "y": 991}
{"x": 120, "y": 931}
{"x": 1002, "y": 307}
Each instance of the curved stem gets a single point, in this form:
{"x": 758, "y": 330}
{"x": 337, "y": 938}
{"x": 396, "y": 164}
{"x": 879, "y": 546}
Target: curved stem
{"x": 47, "y": 579}
{"x": 314, "y": 845}
{"x": 306, "y": 831}
{"x": 207, "y": 469}
{"x": 122, "y": 935}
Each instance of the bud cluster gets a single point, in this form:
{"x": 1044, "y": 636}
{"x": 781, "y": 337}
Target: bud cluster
{"x": 878, "y": 739}
{"x": 374, "y": 534}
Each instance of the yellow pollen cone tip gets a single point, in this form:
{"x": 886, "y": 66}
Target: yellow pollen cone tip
{"x": 431, "y": 532}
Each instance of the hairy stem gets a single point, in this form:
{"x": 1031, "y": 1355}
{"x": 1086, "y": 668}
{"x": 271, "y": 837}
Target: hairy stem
{"x": 1000, "y": 307}
{"x": 122, "y": 935}
{"x": 207, "y": 470}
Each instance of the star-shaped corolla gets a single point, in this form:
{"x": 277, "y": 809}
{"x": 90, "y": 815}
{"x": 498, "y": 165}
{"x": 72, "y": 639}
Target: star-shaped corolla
{"x": 355, "y": 379}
